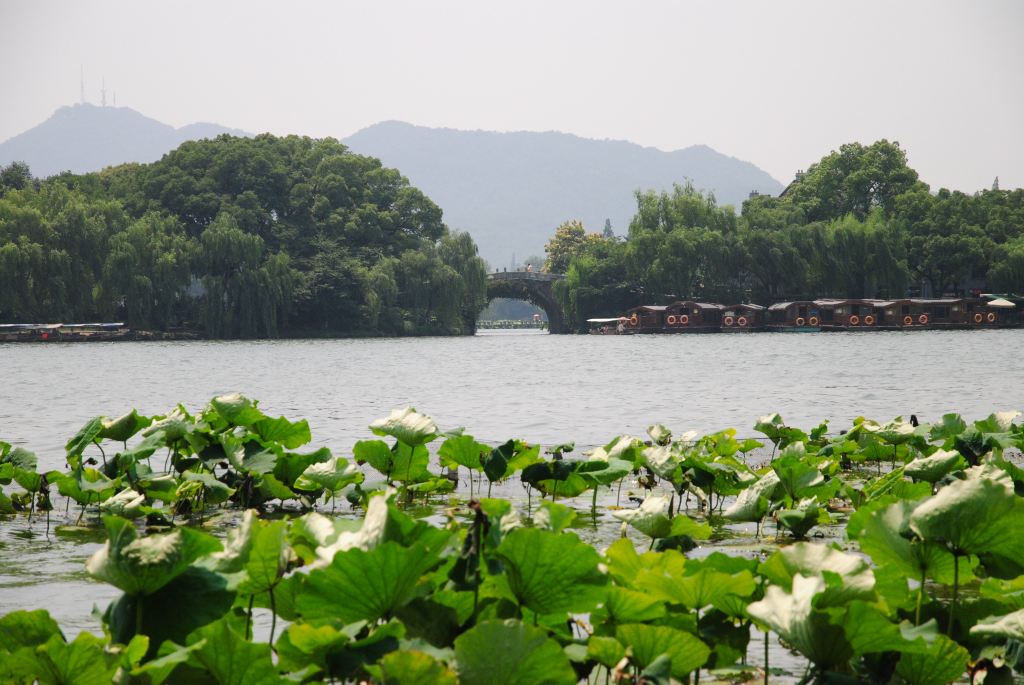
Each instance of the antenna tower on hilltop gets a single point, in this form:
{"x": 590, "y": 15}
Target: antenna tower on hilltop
{"x": 103, "y": 93}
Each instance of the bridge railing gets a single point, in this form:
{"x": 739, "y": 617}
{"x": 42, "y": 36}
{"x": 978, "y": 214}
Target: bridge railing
{"x": 523, "y": 276}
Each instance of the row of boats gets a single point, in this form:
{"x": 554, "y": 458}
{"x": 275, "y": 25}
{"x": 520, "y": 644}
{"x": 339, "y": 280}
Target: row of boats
{"x": 689, "y": 316}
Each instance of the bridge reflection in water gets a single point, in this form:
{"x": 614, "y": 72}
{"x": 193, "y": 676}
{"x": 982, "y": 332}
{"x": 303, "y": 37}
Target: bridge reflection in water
{"x": 532, "y": 286}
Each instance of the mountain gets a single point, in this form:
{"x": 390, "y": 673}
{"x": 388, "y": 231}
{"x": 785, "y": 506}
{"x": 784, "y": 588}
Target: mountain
{"x": 85, "y": 137}
{"x": 510, "y": 190}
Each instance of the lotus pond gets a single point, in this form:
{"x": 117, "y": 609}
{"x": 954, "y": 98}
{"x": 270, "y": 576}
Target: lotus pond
{"x": 218, "y": 550}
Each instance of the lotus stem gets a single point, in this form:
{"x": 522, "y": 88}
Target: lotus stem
{"x": 766, "y": 657}
{"x": 593, "y": 505}
{"x": 956, "y": 584}
{"x": 273, "y": 614}
{"x": 618, "y": 493}
{"x": 920, "y": 599}
{"x": 248, "y": 618}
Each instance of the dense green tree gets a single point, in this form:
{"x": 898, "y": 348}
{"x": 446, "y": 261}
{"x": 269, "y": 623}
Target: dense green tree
{"x": 570, "y": 239}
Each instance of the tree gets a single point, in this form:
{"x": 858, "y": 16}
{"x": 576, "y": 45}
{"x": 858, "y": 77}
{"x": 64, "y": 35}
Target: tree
{"x": 570, "y": 240}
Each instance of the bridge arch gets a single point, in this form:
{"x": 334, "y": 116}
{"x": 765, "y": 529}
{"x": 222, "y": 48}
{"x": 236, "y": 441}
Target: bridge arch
{"x": 533, "y": 287}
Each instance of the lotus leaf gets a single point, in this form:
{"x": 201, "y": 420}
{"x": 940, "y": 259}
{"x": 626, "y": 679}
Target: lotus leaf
{"x": 127, "y": 504}
{"x": 84, "y": 485}
{"x": 696, "y": 590}
{"x": 214, "y": 491}
{"x": 302, "y": 644}
{"x": 551, "y": 572}
{"x": 944, "y": 662}
{"x": 407, "y": 426}
{"x": 365, "y": 585}
{"x": 884, "y": 534}
{"x": 661, "y": 460}
{"x": 800, "y": 519}
{"x": 237, "y": 409}
{"x": 86, "y": 436}
{"x": 143, "y": 565}
{"x": 497, "y": 652}
{"x": 851, "y": 575}
{"x": 291, "y": 465}
{"x": 659, "y": 434}
{"x": 123, "y": 427}
{"x": 752, "y": 504}
{"x": 331, "y": 475}
{"x": 82, "y": 661}
{"x": 647, "y": 643}
{"x": 230, "y": 659}
{"x": 554, "y": 517}
{"x": 978, "y": 515}
{"x": 410, "y": 667}
{"x": 933, "y": 467}
{"x": 793, "y": 616}
{"x": 267, "y": 558}
{"x": 650, "y": 518}
{"x": 1009, "y": 626}
{"x": 282, "y": 431}
{"x": 27, "y": 629}
{"x": 622, "y": 605}
{"x": 606, "y": 651}
{"x": 462, "y": 450}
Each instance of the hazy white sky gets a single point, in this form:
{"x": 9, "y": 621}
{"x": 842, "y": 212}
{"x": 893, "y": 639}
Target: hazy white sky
{"x": 777, "y": 83}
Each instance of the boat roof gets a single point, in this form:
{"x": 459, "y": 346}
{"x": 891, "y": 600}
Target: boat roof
{"x": 611, "y": 320}
{"x": 745, "y": 305}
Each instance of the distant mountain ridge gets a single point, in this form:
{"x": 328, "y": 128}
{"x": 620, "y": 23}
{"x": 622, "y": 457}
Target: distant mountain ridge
{"x": 84, "y": 137}
{"x": 510, "y": 190}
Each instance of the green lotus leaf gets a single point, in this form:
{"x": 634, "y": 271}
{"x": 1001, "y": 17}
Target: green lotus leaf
{"x": 127, "y": 504}
{"x": 191, "y": 600}
{"x": 851, "y": 576}
{"x": 123, "y": 427}
{"x": 932, "y": 468}
{"x": 625, "y": 565}
{"x": 650, "y": 518}
{"x": 944, "y": 662}
{"x": 237, "y": 409}
{"x": 84, "y": 485}
{"x": 624, "y": 447}
{"x": 796, "y": 475}
{"x": 365, "y": 586}
{"x": 20, "y": 458}
{"x": 696, "y": 590}
{"x": 1009, "y": 626}
{"x": 267, "y": 558}
{"x": 603, "y": 472}
{"x": 647, "y": 643}
{"x": 979, "y": 515}
{"x": 606, "y": 651}
{"x": 282, "y": 431}
{"x": 800, "y": 519}
{"x": 144, "y": 565}
{"x": 85, "y": 436}
{"x": 496, "y": 652}
{"x": 302, "y": 644}
{"x": 659, "y": 434}
{"x": 661, "y": 460}
{"x": 752, "y": 504}
{"x": 407, "y": 426}
{"x": 331, "y": 475}
{"x": 554, "y": 517}
{"x": 83, "y": 661}
{"x": 793, "y": 616}
{"x": 462, "y": 450}
{"x": 214, "y": 491}
{"x": 30, "y": 480}
{"x": 684, "y": 525}
{"x": 175, "y": 426}
{"x": 27, "y": 629}
{"x": 884, "y": 534}
{"x": 777, "y": 431}
{"x": 551, "y": 572}
{"x": 291, "y": 465}
{"x": 622, "y": 605}
{"x": 410, "y": 667}
{"x": 999, "y": 422}
{"x": 870, "y": 631}
{"x": 230, "y": 659}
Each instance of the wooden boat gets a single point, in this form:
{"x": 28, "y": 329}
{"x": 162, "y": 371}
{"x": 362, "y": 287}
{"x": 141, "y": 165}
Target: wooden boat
{"x": 689, "y": 316}
{"x": 645, "y": 319}
{"x": 743, "y": 318}
{"x": 29, "y": 332}
{"x": 799, "y": 316}
{"x": 615, "y": 325}
{"x": 848, "y": 315}
{"x": 93, "y": 332}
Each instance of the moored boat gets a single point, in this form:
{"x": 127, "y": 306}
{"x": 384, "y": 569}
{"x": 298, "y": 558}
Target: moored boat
{"x": 799, "y": 316}
{"x": 689, "y": 316}
{"x": 645, "y": 319}
{"x": 743, "y": 318}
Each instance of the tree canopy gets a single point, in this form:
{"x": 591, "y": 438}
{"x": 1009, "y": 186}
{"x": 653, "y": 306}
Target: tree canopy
{"x": 857, "y": 224}
{"x": 240, "y": 237}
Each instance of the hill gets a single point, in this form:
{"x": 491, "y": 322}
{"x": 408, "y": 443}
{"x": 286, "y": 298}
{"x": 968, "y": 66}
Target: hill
{"x": 82, "y": 138}
{"x": 510, "y": 190}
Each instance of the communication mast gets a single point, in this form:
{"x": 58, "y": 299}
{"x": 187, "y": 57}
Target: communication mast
{"x": 103, "y": 93}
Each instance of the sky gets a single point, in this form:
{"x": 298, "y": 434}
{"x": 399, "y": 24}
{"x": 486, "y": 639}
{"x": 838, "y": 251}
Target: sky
{"x": 779, "y": 84}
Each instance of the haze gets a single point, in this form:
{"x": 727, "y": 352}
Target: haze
{"x": 778, "y": 84}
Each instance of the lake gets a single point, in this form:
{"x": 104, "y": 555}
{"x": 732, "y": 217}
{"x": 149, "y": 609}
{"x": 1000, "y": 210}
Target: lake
{"x": 498, "y": 384}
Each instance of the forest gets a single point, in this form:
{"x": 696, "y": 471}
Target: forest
{"x": 237, "y": 238}
{"x": 859, "y": 223}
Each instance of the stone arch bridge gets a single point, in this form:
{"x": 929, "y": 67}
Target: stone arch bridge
{"x": 533, "y": 287}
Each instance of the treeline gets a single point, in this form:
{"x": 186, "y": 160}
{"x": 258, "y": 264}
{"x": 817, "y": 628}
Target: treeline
{"x": 239, "y": 238}
{"x": 859, "y": 223}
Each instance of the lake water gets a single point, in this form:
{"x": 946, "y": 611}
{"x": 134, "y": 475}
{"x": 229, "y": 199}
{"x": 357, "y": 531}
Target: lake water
{"x": 498, "y": 384}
